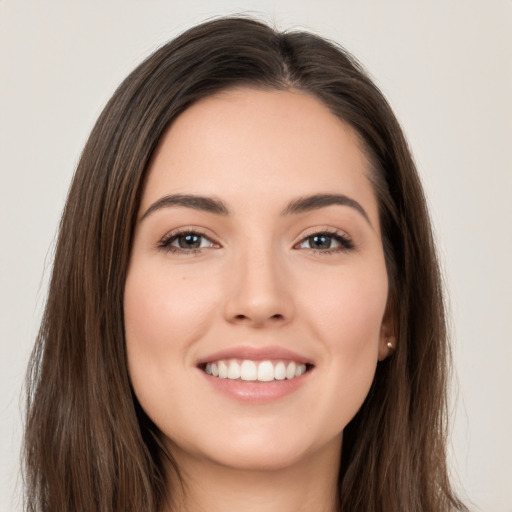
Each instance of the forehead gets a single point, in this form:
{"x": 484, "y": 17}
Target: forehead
{"x": 248, "y": 143}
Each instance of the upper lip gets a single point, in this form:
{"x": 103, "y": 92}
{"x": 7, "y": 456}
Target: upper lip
{"x": 255, "y": 354}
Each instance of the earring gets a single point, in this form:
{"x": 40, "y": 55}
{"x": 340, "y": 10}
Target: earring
{"x": 389, "y": 344}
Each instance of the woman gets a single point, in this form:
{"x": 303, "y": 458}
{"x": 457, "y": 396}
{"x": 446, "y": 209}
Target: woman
{"x": 245, "y": 309}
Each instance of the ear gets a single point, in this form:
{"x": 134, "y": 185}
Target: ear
{"x": 387, "y": 340}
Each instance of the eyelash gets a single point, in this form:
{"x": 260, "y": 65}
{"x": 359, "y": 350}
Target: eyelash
{"x": 165, "y": 243}
{"x": 345, "y": 242}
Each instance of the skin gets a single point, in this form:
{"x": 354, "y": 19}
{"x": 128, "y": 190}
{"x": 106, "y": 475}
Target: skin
{"x": 258, "y": 280}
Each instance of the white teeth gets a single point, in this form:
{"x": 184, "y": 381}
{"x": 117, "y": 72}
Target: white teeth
{"x": 264, "y": 371}
{"x": 300, "y": 370}
{"x": 233, "y": 370}
{"x": 223, "y": 370}
{"x": 280, "y": 371}
{"x": 249, "y": 371}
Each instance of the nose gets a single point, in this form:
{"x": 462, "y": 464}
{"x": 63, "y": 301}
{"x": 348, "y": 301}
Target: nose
{"x": 259, "y": 290}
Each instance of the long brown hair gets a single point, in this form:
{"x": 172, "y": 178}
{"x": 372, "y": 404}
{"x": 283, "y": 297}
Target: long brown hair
{"x": 88, "y": 444}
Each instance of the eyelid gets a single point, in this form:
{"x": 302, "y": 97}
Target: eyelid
{"x": 165, "y": 242}
{"x": 345, "y": 241}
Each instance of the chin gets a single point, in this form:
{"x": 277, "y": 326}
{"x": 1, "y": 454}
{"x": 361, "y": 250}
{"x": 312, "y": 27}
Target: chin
{"x": 261, "y": 458}
{"x": 260, "y": 449}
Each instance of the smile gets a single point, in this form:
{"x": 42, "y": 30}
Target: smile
{"x": 255, "y": 371}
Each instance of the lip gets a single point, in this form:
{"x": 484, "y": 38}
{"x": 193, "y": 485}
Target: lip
{"x": 252, "y": 391}
{"x": 256, "y": 392}
{"x": 255, "y": 354}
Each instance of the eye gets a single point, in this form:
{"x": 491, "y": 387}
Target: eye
{"x": 327, "y": 242}
{"x": 185, "y": 241}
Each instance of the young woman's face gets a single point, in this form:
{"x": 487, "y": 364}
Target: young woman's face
{"x": 257, "y": 254}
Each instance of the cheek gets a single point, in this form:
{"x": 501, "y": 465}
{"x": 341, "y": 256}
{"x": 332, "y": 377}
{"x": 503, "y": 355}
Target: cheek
{"x": 349, "y": 308}
{"x": 164, "y": 311}
{"x": 349, "y": 322}
{"x": 164, "y": 316}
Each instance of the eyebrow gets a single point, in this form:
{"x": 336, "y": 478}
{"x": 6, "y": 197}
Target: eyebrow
{"x": 218, "y": 207}
{"x": 317, "y": 201}
{"x": 206, "y": 204}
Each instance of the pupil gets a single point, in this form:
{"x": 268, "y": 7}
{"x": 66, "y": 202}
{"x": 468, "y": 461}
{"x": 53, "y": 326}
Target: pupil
{"x": 189, "y": 241}
{"x": 322, "y": 241}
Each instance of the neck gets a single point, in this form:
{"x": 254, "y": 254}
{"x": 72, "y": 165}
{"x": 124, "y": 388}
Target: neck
{"x": 310, "y": 484}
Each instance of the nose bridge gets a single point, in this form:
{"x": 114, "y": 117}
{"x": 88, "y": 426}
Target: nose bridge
{"x": 258, "y": 289}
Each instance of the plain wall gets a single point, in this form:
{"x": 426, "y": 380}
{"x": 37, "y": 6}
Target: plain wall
{"x": 445, "y": 66}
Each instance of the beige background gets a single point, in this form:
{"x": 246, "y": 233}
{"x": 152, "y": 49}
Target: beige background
{"x": 446, "y": 67}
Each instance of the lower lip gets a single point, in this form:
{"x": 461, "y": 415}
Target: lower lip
{"x": 256, "y": 392}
